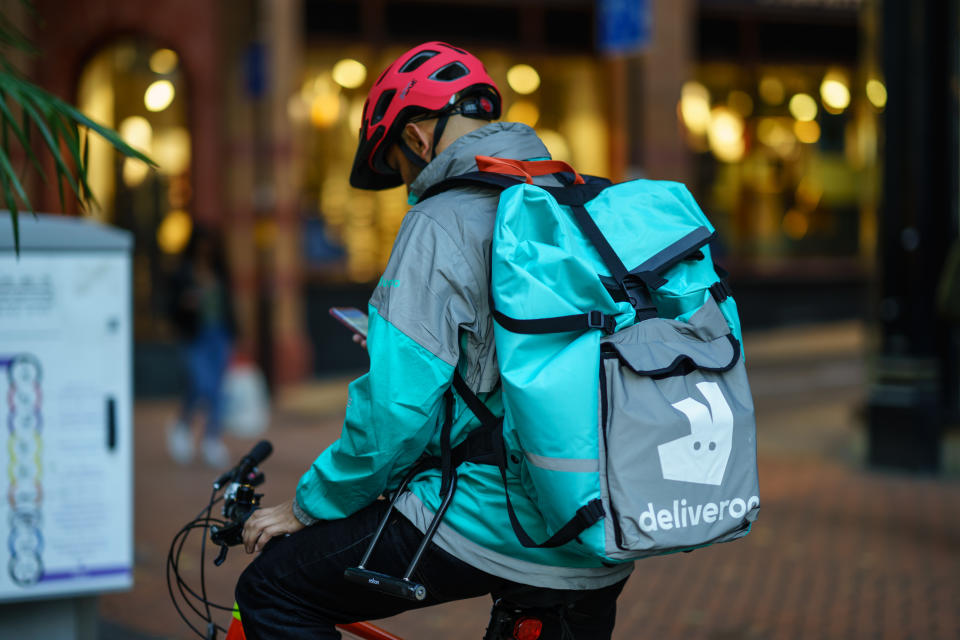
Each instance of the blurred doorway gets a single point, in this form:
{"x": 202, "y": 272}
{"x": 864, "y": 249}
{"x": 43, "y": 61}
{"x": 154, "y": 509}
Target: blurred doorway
{"x": 139, "y": 88}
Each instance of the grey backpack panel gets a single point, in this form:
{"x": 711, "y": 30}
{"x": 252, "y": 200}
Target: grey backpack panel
{"x": 678, "y": 454}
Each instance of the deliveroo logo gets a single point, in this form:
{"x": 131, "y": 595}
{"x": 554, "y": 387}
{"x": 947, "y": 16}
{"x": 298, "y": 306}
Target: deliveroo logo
{"x": 702, "y": 456}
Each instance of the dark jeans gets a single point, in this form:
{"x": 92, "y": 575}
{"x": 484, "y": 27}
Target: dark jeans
{"x": 206, "y": 357}
{"x": 296, "y": 589}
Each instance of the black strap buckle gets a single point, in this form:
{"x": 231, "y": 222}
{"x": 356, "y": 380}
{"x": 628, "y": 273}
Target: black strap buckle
{"x": 720, "y": 290}
{"x": 600, "y": 320}
{"x": 591, "y": 512}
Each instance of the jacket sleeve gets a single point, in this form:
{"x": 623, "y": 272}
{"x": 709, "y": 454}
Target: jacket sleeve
{"x": 395, "y": 410}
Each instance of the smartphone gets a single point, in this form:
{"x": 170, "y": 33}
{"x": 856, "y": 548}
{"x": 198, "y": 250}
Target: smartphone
{"x": 352, "y": 318}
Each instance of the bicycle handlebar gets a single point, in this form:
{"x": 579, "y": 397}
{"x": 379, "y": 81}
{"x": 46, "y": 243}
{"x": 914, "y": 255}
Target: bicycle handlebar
{"x": 258, "y": 454}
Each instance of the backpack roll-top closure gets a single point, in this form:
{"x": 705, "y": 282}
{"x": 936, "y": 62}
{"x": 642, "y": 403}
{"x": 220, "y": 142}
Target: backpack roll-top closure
{"x": 660, "y": 347}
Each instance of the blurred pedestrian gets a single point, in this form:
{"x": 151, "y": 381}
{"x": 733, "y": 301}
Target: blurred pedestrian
{"x": 202, "y": 312}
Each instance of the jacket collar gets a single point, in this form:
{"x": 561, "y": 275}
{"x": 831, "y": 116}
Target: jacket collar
{"x": 498, "y": 139}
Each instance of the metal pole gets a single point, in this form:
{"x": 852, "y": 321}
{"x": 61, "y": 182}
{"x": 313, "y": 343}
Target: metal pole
{"x": 916, "y": 360}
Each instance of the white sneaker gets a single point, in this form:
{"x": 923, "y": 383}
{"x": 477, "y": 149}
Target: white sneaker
{"x": 215, "y": 453}
{"x": 180, "y": 442}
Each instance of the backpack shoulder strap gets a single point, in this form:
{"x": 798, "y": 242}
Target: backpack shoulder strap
{"x": 579, "y": 190}
{"x": 495, "y": 181}
{"x": 485, "y": 445}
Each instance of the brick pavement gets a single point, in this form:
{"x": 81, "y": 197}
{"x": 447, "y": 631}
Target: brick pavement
{"x": 839, "y": 552}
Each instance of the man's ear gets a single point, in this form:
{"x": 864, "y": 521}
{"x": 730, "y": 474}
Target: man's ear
{"x": 418, "y": 138}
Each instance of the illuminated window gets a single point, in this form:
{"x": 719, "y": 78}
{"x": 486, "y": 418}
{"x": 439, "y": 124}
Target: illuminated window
{"x": 785, "y": 156}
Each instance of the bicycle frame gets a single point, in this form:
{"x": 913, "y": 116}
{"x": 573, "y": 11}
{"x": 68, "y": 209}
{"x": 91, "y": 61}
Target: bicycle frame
{"x": 361, "y": 630}
{"x": 239, "y": 500}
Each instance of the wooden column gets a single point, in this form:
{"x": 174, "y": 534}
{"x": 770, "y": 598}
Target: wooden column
{"x": 283, "y": 38}
{"x": 666, "y": 65}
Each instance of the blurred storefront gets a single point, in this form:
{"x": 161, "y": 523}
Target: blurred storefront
{"x": 767, "y": 108}
{"x": 781, "y": 113}
{"x": 153, "y": 75}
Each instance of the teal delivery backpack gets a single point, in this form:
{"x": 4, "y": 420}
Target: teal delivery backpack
{"x": 622, "y": 370}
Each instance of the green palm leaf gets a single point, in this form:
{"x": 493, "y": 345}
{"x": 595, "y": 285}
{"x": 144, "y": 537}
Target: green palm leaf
{"x": 63, "y": 130}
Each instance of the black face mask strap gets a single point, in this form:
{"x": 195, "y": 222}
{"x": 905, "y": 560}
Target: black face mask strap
{"x": 438, "y": 132}
{"x": 417, "y": 161}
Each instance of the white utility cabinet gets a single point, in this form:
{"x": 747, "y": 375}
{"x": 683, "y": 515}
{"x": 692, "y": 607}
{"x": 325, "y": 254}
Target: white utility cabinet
{"x": 66, "y": 427}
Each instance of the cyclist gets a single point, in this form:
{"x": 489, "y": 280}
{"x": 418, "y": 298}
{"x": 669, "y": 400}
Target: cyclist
{"x": 426, "y": 118}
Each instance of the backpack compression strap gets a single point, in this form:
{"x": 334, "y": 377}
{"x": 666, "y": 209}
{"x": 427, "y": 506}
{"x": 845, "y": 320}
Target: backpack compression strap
{"x": 485, "y": 445}
{"x": 500, "y": 174}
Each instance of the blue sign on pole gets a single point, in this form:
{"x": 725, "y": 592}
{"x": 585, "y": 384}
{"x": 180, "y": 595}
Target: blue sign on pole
{"x": 255, "y": 70}
{"x": 623, "y": 26}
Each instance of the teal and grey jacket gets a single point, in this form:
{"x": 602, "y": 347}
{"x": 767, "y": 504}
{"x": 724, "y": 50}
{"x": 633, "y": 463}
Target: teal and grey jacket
{"x": 429, "y": 316}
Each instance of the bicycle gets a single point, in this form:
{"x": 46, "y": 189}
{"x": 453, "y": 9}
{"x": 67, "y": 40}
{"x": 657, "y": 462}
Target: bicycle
{"x": 236, "y": 490}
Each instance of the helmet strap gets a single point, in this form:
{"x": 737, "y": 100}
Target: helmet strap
{"x": 470, "y": 108}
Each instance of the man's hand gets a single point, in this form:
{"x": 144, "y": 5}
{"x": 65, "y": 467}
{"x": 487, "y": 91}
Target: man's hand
{"x": 360, "y": 340}
{"x": 267, "y": 523}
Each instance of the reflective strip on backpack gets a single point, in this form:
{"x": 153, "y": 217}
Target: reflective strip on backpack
{"x": 573, "y": 465}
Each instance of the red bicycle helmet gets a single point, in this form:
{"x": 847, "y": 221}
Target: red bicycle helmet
{"x": 433, "y": 79}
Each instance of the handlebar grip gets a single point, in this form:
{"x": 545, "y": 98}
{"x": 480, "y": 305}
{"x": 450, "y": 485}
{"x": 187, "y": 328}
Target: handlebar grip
{"x": 259, "y": 452}
{"x": 386, "y": 584}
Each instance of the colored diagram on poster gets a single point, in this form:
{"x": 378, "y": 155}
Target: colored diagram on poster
{"x": 24, "y": 444}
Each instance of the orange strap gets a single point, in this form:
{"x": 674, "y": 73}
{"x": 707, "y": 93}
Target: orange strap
{"x": 525, "y": 169}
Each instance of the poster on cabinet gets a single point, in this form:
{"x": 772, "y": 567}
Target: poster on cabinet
{"x": 66, "y": 500}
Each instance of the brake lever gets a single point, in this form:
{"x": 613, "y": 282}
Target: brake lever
{"x": 222, "y": 555}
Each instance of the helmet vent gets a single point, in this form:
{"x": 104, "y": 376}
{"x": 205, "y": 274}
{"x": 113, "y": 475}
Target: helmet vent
{"x": 450, "y": 72}
{"x": 382, "y": 75}
{"x": 382, "y": 105}
{"x": 417, "y": 60}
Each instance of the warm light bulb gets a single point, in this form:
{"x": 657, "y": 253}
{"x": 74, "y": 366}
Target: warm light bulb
{"x": 171, "y": 150}
{"x": 876, "y": 93}
{"x": 523, "y": 79}
{"x": 159, "y": 95}
{"x": 695, "y": 107}
{"x": 771, "y": 90}
{"x": 555, "y": 143}
{"x": 349, "y": 73}
{"x": 725, "y": 135}
{"x": 325, "y": 110}
{"x": 776, "y": 134}
{"x": 803, "y": 107}
{"x": 174, "y": 231}
{"x": 834, "y": 92}
{"x": 524, "y": 111}
{"x": 134, "y": 172}
{"x": 807, "y": 132}
{"x": 136, "y": 132}
{"x": 163, "y": 61}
